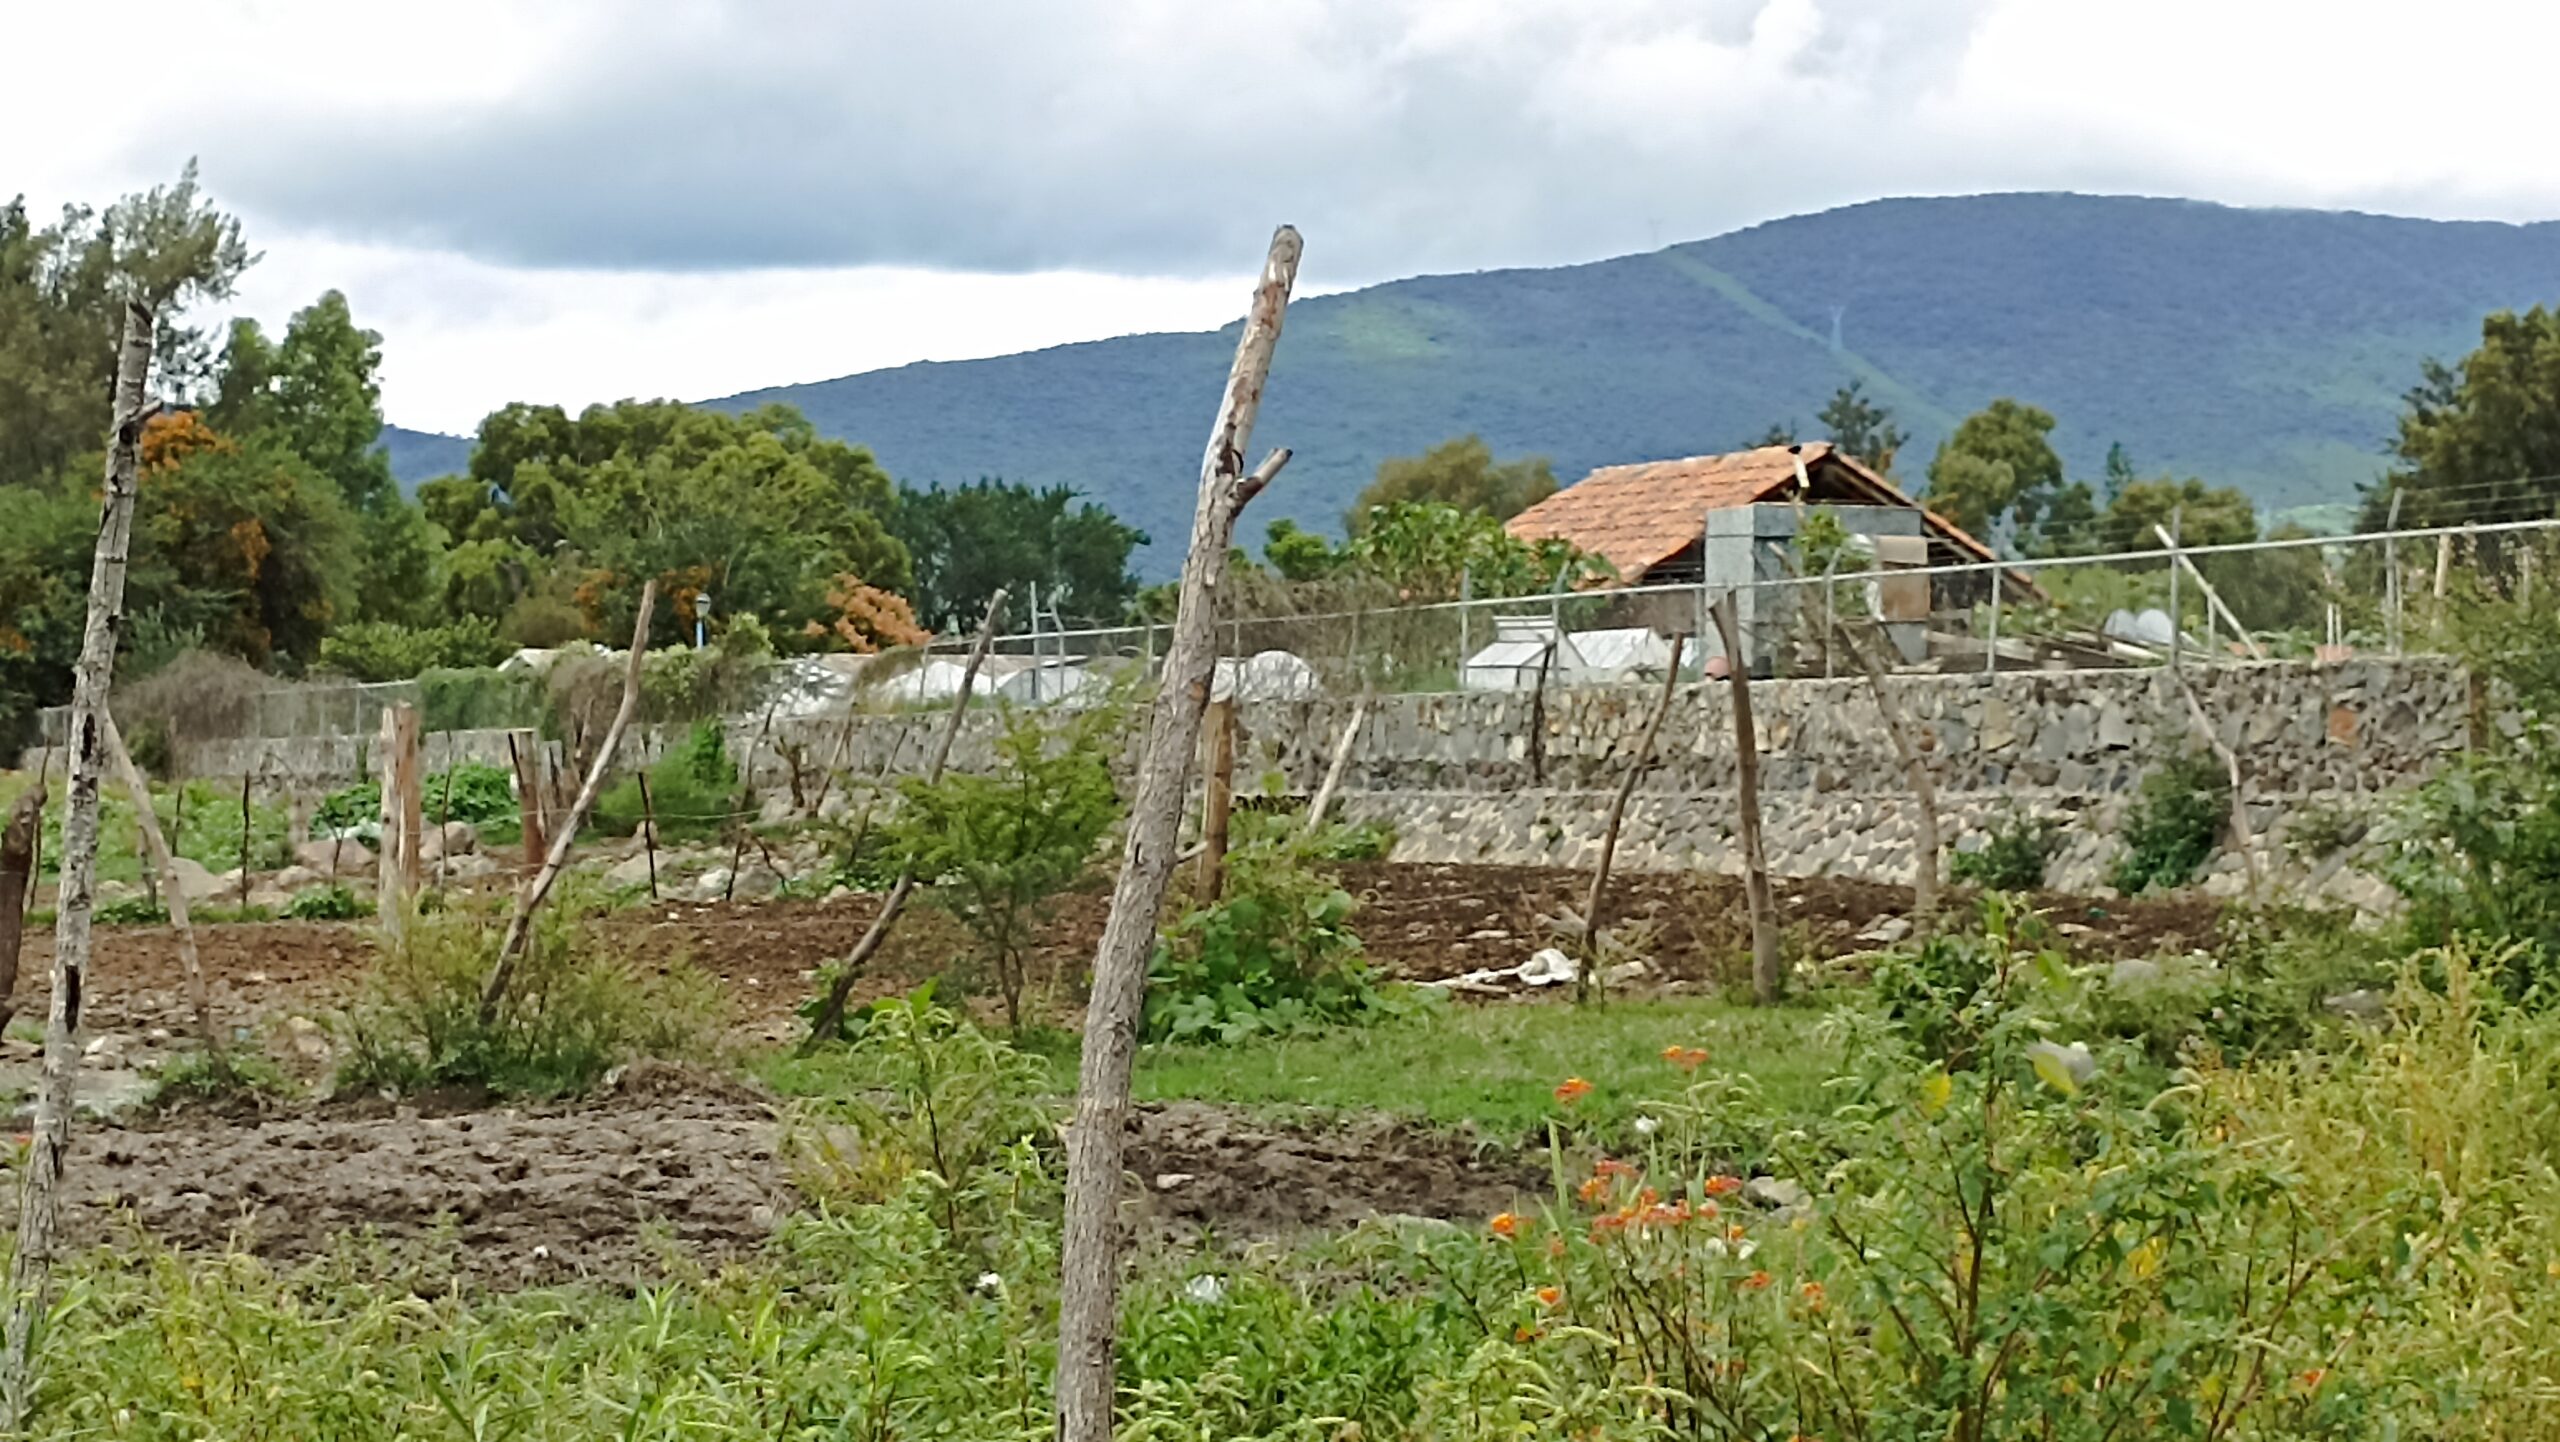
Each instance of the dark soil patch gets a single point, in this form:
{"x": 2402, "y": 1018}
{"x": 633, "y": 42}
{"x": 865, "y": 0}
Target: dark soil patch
{"x": 607, "y": 1191}
{"x": 1215, "y": 1172}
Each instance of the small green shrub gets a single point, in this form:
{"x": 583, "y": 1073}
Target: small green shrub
{"x": 995, "y": 845}
{"x": 1937, "y": 991}
{"x": 1275, "y": 954}
{"x": 2176, "y": 818}
{"x": 693, "y": 790}
{"x": 235, "y": 1078}
{"x": 131, "y": 911}
{"x": 348, "y": 808}
{"x": 389, "y": 651}
{"x": 472, "y": 791}
{"x": 323, "y": 903}
{"x": 573, "y": 1012}
{"x": 478, "y": 698}
{"x": 2015, "y": 856}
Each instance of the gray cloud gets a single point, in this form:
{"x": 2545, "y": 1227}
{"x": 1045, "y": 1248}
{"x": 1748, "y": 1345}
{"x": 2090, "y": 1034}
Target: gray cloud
{"x": 1137, "y": 135}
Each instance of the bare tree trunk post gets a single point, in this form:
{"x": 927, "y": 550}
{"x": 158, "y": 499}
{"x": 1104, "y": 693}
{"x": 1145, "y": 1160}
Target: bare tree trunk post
{"x": 386, "y": 875}
{"x": 17, "y": 878}
{"x": 1088, "y": 1320}
{"x": 1915, "y": 773}
{"x": 530, "y": 897}
{"x": 831, "y": 1015}
{"x": 1767, "y": 981}
{"x": 165, "y": 867}
{"x": 1582, "y": 978}
{"x": 1333, "y": 769}
{"x": 1217, "y": 796}
{"x": 444, "y": 811}
{"x": 526, "y": 762}
{"x": 244, "y": 835}
{"x": 413, "y": 803}
{"x": 31, "y": 1267}
{"x": 2241, "y": 831}
{"x": 648, "y": 830}
{"x": 738, "y": 846}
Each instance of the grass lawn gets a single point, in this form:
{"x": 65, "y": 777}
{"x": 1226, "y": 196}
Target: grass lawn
{"x": 1495, "y": 1066}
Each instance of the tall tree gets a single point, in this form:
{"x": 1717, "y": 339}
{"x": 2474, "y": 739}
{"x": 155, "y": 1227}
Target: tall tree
{"x": 1863, "y": 428}
{"x": 62, "y": 289}
{"x": 1460, "y": 473}
{"x": 756, "y": 511}
{"x": 2480, "y": 441}
{"x": 970, "y": 541}
{"x": 1997, "y": 467}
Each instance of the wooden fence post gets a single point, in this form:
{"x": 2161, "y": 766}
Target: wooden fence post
{"x": 1582, "y": 978}
{"x": 156, "y": 848}
{"x": 17, "y": 879}
{"x": 524, "y": 757}
{"x": 1089, "y": 1291}
{"x": 1218, "y": 795}
{"x": 1767, "y": 980}
{"x": 31, "y": 1265}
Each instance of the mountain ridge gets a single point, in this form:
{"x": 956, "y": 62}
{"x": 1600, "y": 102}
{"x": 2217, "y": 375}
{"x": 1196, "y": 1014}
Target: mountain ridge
{"x": 2266, "y": 348}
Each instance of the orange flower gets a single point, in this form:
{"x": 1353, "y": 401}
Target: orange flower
{"x": 2312, "y": 1379}
{"x": 1504, "y": 1224}
{"x": 1723, "y": 1186}
{"x": 1733, "y": 1233}
{"x": 1757, "y": 1282}
{"x": 1647, "y": 1197}
{"x": 1572, "y": 1089}
{"x": 1687, "y": 1058}
{"x": 1524, "y": 1334}
{"x": 1555, "y": 1246}
{"x": 1612, "y": 1167}
{"x": 1550, "y": 1296}
{"x": 1811, "y": 1292}
{"x": 1593, "y": 1188}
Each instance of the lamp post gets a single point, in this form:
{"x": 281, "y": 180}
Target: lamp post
{"x": 701, "y": 615}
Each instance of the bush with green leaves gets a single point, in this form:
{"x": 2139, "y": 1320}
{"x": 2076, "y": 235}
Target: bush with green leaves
{"x": 1274, "y": 954}
{"x": 389, "y": 651}
{"x": 693, "y": 791}
{"x": 2014, "y": 856}
{"x": 574, "y": 1010}
{"x": 324, "y": 903}
{"x": 137, "y": 910}
{"x": 479, "y": 698}
{"x": 994, "y": 845}
{"x": 2174, "y": 823}
{"x": 348, "y": 809}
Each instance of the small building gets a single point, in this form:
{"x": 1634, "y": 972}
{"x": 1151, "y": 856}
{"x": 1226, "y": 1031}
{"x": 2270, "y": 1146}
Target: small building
{"x": 1728, "y": 523}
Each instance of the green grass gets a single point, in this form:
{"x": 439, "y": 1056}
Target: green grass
{"x": 1494, "y": 1067}
{"x": 208, "y": 832}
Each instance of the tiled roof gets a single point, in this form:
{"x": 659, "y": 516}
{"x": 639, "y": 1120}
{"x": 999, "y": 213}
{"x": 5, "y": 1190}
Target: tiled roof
{"x": 1640, "y": 515}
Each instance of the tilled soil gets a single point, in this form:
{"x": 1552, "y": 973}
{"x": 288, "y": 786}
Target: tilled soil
{"x": 1424, "y": 922}
{"x": 677, "y": 1168}
{"x": 508, "y": 1197}
{"x": 1209, "y": 1172}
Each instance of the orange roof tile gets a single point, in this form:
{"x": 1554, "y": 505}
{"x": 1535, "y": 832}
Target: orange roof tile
{"x": 1641, "y": 515}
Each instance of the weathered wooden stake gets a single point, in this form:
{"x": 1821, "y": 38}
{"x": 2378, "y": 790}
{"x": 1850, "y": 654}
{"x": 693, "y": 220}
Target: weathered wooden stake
{"x": 1767, "y": 980}
{"x": 738, "y": 849}
{"x": 1217, "y": 796}
{"x": 525, "y": 760}
{"x": 31, "y": 1266}
{"x": 1915, "y": 773}
{"x": 1582, "y": 976}
{"x": 2241, "y": 831}
{"x": 444, "y": 812}
{"x": 1333, "y": 769}
{"x": 830, "y": 1018}
{"x": 396, "y": 876}
{"x": 531, "y": 895}
{"x": 165, "y": 866}
{"x": 1088, "y": 1322}
{"x": 244, "y": 837}
{"x": 648, "y": 830}
{"x": 17, "y": 878}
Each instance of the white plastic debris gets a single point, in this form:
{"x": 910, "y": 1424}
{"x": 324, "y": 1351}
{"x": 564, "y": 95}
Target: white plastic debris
{"x": 1647, "y": 1126}
{"x": 1205, "y": 1289}
{"x": 1548, "y": 967}
{"x": 991, "y": 1284}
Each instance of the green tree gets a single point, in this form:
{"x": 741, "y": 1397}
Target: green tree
{"x": 1422, "y": 550}
{"x": 1460, "y": 473}
{"x": 1998, "y": 466}
{"x": 2480, "y": 441}
{"x": 754, "y": 510}
{"x": 1299, "y": 555}
{"x": 1861, "y": 427}
{"x": 241, "y": 538}
{"x": 62, "y": 290}
{"x": 971, "y": 539}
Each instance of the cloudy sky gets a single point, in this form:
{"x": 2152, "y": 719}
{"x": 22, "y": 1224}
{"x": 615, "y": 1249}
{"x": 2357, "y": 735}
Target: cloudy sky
{"x": 584, "y": 199}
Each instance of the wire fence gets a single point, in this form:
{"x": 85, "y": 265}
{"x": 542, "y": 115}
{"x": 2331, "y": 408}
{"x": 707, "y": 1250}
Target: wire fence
{"x": 2297, "y": 597}
{"x": 2385, "y": 592}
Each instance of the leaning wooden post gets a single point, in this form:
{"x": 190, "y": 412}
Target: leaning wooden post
{"x": 2241, "y": 832}
{"x": 244, "y": 836}
{"x": 648, "y": 829}
{"x": 1333, "y": 770}
{"x": 526, "y": 761}
{"x": 532, "y": 894}
{"x": 413, "y": 802}
{"x": 1766, "y": 979}
{"x": 156, "y": 847}
{"x": 738, "y": 851}
{"x": 1218, "y": 796}
{"x": 1088, "y": 1322}
{"x": 17, "y": 878}
{"x": 830, "y": 1016}
{"x": 444, "y": 812}
{"x": 1617, "y": 818}
{"x": 1915, "y": 773}
{"x": 31, "y": 1267}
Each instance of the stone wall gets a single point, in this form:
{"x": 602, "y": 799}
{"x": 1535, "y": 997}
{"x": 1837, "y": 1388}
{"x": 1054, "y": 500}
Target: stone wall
{"x": 1511, "y": 778}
